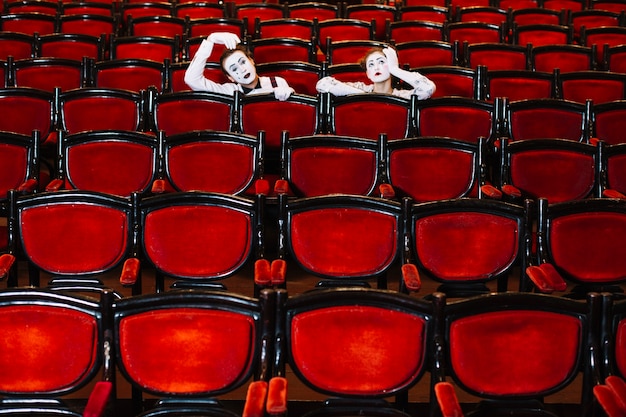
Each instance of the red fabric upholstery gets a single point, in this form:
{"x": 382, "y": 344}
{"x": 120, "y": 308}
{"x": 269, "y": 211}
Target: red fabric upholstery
{"x": 616, "y": 173}
{"x": 184, "y": 115}
{"x": 23, "y": 114}
{"x": 130, "y": 272}
{"x": 36, "y": 338}
{"x": 86, "y": 113}
{"x": 14, "y": 163}
{"x": 610, "y": 125}
{"x": 153, "y": 343}
{"x": 600, "y": 90}
{"x": 145, "y": 50}
{"x": 548, "y": 341}
{"x": 130, "y": 77}
{"x": 345, "y": 242}
{"x": 98, "y": 399}
{"x": 529, "y": 124}
{"x": 618, "y": 386}
{"x": 74, "y": 238}
{"x": 374, "y": 118}
{"x": 277, "y": 396}
{"x": 620, "y": 347}
{"x": 586, "y": 246}
{"x": 6, "y": 262}
{"x": 358, "y": 350}
{"x": 411, "y": 277}
{"x": 47, "y": 76}
{"x": 608, "y": 400}
{"x": 279, "y": 271}
{"x": 467, "y": 245}
{"x": 462, "y": 122}
{"x": 255, "y": 399}
{"x": 447, "y": 400}
{"x": 262, "y": 272}
{"x": 197, "y": 241}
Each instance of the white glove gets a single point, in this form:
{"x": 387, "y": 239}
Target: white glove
{"x": 392, "y": 59}
{"x": 230, "y": 40}
{"x": 283, "y": 93}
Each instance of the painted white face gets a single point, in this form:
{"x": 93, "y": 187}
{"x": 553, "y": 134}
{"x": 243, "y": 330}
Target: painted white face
{"x": 240, "y": 68}
{"x": 376, "y": 67}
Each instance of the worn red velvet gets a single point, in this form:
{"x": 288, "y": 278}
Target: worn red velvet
{"x": 255, "y": 399}
{"x": 298, "y": 118}
{"x": 610, "y": 125}
{"x": 277, "y": 396}
{"x": 374, "y": 118}
{"x": 358, "y": 350}
{"x": 600, "y": 90}
{"x": 281, "y": 52}
{"x": 447, "y": 400}
{"x": 86, "y": 113}
{"x": 466, "y": 246}
{"x": 130, "y": 271}
{"x": 616, "y": 173}
{"x": 13, "y": 160}
{"x": 497, "y": 58}
{"x": 587, "y": 246}
{"x": 541, "y": 36}
{"x": 184, "y": 115}
{"x": 216, "y": 166}
{"x": 325, "y": 170}
{"x": 74, "y": 238}
{"x": 520, "y": 87}
{"x": 144, "y": 50}
{"x": 411, "y": 277}
{"x": 133, "y": 78}
{"x": 98, "y": 399}
{"x": 22, "y": 114}
{"x": 47, "y": 77}
{"x": 197, "y": 241}
{"x": 262, "y": 272}
{"x": 187, "y": 350}
{"x": 279, "y": 271}
{"x": 460, "y": 122}
{"x": 558, "y": 175}
{"x": 73, "y": 48}
{"x": 530, "y": 123}
{"x": 344, "y": 242}
{"x": 39, "y": 354}
{"x": 512, "y": 191}
{"x": 428, "y": 174}
{"x": 620, "y": 347}
{"x": 113, "y": 167}
{"x": 529, "y": 352}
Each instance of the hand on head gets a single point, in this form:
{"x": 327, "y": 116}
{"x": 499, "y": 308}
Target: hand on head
{"x": 392, "y": 58}
{"x": 230, "y": 40}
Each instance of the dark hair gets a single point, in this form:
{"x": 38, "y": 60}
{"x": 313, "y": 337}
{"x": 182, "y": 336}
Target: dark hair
{"x": 229, "y": 52}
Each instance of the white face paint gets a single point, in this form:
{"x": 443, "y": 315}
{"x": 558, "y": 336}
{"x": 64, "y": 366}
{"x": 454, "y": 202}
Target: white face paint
{"x": 376, "y": 67}
{"x": 240, "y": 68}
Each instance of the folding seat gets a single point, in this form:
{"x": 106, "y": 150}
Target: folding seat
{"x": 28, "y": 23}
{"x": 313, "y": 10}
{"x": 197, "y": 239}
{"x": 155, "y": 48}
{"x": 378, "y": 344}
{"x": 571, "y": 5}
{"x": 525, "y": 119}
{"x": 417, "y": 54}
{"x": 214, "y": 161}
{"x": 600, "y": 36}
{"x": 542, "y": 34}
{"x": 496, "y": 56}
{"x": 108, "y": 161}
{"x": 614, "y": 58}
{"x": 456, "y": 81}
{"x": 556, "y": 169}
{"x": 344, "y": 30}
{"x": 521, "y": 84}
{"x": 42, "y": 381}
{"x": 301, "y": 76}
{"x": 283, "y": 28}
{"x": 465, "y": 244}
{"x": 48, "y": 73}
{"x": 474, "y": 32}
{"x": 224, "y": 337}
{"x": 571, "y": 250}
{"x": 89, "y": 24}
{"x": 430, "y": 168}
{"x": 611, "y": 5}
{"x": 517, "y": 4}
{"x": 167, "y": 26}
{"x": 184, "y": 111}
{"x": 487, "y": 344}
{"x": 598, "y": 86}
{"x": 566, "y": 58}
{"x": 345, "y": 240}
{"x": 200, "y": 10}
{"x": 94, "y": 108}
{"x": 369, "y": 115}
{"x": 175, "y": 76}
{"x": 26, "y": 109}
{"x": 609, "y": 122}
{"x": 71, "y": 237}
{"x": 459, "y": 118}
{"x": 439, "y": 14}
{"x": 18, "y": 45}
{"x": 612, "y": 182}
{"x": 140, "y": 9}
{"x": 130, "y": 74}
{"x": 380, "y": 13}
{"x": 343, "y": 52}
{"x": 264, "y": 11}
{"x": 441, "y": 3}
{"x": 485, "y": 14}
{"x": 330, "y": 164}
{"x": 612, "y": 363}
{"x": 403, "y": 31}
{"x": 32, "y": 6}
{"x": 71, "y": 46}
{"x": 88, "y": 7}
{"x": 282, "y": 49}
{"x": 592, "y": 18}
{"x": 537, "y": 15}
{"x": 203, "y": 27}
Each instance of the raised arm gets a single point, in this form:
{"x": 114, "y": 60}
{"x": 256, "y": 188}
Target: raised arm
{"x": 194, "y": 76}
{"x": 422, "y": 86}
{"x": 336, "y": 87}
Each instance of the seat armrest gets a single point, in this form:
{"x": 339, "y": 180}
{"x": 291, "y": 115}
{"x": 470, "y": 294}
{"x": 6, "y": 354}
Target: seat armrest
{"x": 6, "y": 263}
{"x": 98, "y": 399}
{"x": 411, "y": 277}
{"x": 255, "y": 399}
{"x": 54, "y": 185}
{"x": 447, "y": 400}
{"x": 277, "y": 397}
{"x": 130, "y": 272}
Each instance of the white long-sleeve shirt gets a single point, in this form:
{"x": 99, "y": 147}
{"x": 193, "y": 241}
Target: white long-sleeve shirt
{"x": 195, "y": 79}
{"x": 423, "y": 88}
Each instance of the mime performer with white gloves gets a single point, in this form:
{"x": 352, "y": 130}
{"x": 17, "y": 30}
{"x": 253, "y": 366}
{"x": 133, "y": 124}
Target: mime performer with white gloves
{"x": 238, "y": 66}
